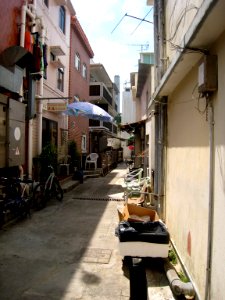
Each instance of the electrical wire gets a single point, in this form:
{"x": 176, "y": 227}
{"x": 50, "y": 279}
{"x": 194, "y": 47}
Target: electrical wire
{"x": 142, "y": 20}
{"x": 205, "y": 110}
{"x": 182, "y": 16}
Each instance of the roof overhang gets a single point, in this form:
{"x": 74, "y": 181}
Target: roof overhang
{"x": 131, "y": 127}
{"x": 57, "y": 50}
{"x": 99, "y": 72}
{"x": 203, "y": 31}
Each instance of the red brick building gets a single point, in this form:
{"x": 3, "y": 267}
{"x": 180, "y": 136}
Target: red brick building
{"x": 80, "y": 55}
{"x": 10, "y": 19}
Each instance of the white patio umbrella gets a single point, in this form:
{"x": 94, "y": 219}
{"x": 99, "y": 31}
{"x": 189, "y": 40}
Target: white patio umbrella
{"x": 88, "y": 110}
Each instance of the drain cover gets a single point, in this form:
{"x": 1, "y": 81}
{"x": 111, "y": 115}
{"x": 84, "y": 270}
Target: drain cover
{"x": 97, "y": 255}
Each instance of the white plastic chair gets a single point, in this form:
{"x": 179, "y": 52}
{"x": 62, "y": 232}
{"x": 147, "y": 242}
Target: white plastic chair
{"x": 134, "y": 176}
{"x": 91, "y": 159}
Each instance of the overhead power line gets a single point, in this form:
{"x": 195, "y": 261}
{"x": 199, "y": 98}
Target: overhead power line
{"x": 126, "y": 15}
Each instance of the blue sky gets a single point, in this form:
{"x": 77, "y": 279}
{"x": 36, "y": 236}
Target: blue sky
{"x": 117, "y": 51}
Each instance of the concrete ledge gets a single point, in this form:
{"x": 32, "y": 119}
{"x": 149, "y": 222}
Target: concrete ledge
{"x": 69, "y": 185}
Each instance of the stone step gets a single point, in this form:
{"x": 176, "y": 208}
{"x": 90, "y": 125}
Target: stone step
{"x": 69, "y": 185}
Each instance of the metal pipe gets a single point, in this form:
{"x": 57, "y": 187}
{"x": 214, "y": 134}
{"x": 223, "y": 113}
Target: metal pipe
{"x": 211, "y": 197}
{"x": 197, "y": 296}
{"x": 23, "y": 26}
{"x": 41, "y": 92}
{"x": 178, "y": 287}
{"x": 24, "y": 12}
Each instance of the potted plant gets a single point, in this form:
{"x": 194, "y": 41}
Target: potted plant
{"x": 47, "y": 157}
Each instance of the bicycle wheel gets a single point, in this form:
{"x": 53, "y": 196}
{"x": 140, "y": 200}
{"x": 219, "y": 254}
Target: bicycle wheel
{"x": 23, "y": 208}
{"x": 58, "y": 191}
{"x": 39, "y": 200}
{"x": 2, "y": 214}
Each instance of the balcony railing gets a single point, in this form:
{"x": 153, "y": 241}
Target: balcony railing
{"x": 100, "y": 90}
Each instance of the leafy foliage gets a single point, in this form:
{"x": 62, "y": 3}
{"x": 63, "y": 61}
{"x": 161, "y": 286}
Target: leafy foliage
{"x": 47, "y": 157}
{"x": 74, "y": 153}
{"x": 118, "y": 119}
{"x": 172, "y": 257}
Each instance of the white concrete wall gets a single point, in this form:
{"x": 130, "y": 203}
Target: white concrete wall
{"x": 128, "y": 108}
{"x": 128, "y": 115}
{"x": 218, "y": 267}
{"x": 188, "y": 161}
{"x": 187, "y": 177}
{"x": 55, "y": 37}
{"x": 187, "y": 185}
{"x": 179, "y": 16}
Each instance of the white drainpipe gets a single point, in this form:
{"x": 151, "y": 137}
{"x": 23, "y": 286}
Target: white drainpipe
{"x": 40, "y": 105}
{"x": 30, "y": 10}
{"x": 211, "y": 198}
{"x": 26, "y": 11}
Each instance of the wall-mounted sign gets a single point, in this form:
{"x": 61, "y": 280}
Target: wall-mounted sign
{"x": 17, "y": 133}
{"x": 56, "y": 106}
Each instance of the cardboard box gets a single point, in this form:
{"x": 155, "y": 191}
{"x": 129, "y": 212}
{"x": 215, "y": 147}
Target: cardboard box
{"x": 135, "y": 213}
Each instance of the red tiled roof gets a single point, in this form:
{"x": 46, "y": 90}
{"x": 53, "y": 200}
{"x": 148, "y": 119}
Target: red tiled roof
{"x": 77, "y": 27}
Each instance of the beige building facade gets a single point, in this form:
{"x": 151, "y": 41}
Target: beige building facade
{"x": 190, "y": 88}
{"x": 52, "y": 23}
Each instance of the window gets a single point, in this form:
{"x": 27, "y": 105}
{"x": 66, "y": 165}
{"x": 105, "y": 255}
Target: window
{"x": 60, "y": 79}
{"x": 84, "y": 71}
{"x": 49, "y": 132}
{"x": 77, "y": 61}
{"x": 83, "y": 143}
{"x": 52, "y": 56}
{"x": 46, "y": 2}
{"x": 62, "y": 18}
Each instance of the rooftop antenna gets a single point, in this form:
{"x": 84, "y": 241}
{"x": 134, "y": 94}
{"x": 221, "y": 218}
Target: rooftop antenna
{"x": 126, "y": 15}
{"x": 143, "y": 47}
{"x": 142, "y": 21}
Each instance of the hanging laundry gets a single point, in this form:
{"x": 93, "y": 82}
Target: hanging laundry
{"x": 42, "y": 59}
{"x": 37, "y": 56}
{"x": 45, "y": 56}
{"x": 45, "y": 60}
{"x": 28, "y": 43}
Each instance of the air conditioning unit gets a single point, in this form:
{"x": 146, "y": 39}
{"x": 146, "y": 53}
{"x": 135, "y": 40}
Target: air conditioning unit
{"x": 208, "y": 74}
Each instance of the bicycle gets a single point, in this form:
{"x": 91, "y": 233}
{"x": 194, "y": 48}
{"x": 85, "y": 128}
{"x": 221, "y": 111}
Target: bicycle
{"x": 14, "y": 200}
{"x": 46, "y": 190}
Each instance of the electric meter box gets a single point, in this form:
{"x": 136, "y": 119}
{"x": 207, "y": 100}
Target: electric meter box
{"x": 207, "y": 74}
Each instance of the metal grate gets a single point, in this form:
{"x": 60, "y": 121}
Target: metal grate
{"x": 99, "y": 198}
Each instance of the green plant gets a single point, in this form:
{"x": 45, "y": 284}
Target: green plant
{"x": 118, "y": 118}
{"x": 74, "y": 153}
{"x": 183, "y": 277}
{"x": 47, "y": 157}
{"x": 172, "y": 257}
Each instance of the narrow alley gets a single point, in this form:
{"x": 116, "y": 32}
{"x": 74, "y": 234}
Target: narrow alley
{"x": 69, "y": 250}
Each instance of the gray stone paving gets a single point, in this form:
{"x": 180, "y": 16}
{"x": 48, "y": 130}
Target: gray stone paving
{"x": 68, "y": 251}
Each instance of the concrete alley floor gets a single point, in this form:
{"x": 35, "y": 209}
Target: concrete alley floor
{"x": 68, "y": 250}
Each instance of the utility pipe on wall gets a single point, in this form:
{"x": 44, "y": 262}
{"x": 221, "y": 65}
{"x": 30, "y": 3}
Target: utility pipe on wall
{"x": 41, "y": 87}
{"x": 211, "y": 197}
{"x": 24, "y": 12}
{"x": 30, "y": 10}
{"x": 178, "y": 287}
